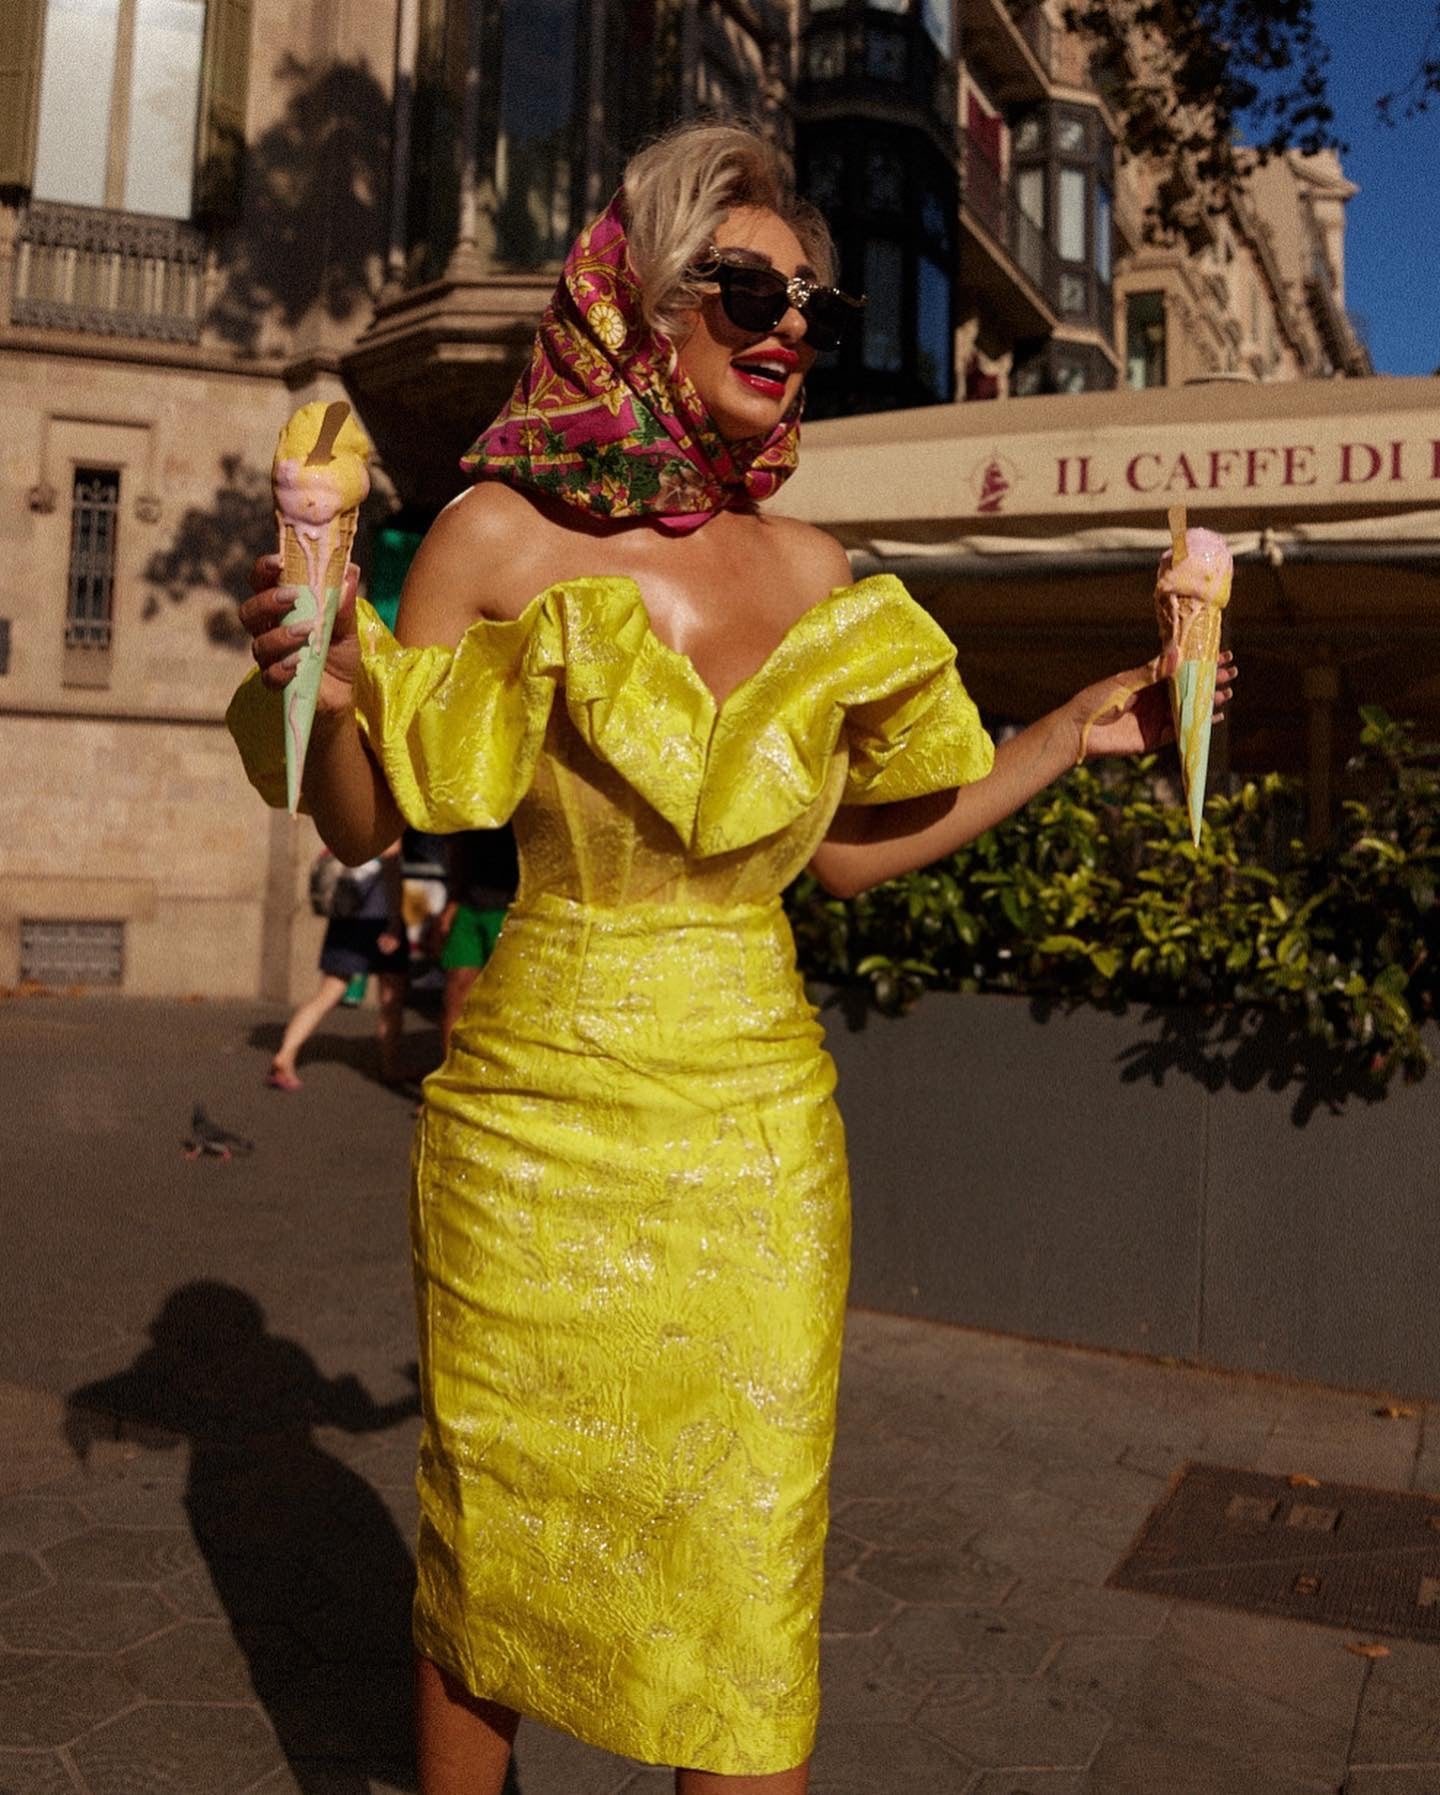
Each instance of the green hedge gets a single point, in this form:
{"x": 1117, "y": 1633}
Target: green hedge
{"x": 1095, "y": 893}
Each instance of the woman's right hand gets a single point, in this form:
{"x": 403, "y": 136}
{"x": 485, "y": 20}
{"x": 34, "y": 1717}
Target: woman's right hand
{"x": 276, "y": 645}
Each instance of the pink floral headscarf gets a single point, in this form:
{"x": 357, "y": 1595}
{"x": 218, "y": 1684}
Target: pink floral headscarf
{"x": 603, "y": 419}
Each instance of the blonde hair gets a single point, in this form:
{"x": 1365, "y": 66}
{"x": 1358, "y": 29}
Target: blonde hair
{"x": 677, "y": 193}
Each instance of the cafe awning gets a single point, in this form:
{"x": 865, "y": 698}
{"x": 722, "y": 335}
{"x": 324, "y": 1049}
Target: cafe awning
{"x": 1031, "y": 529}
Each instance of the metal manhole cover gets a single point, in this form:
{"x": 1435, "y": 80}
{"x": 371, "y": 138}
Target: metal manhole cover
{"x": 1335, "y": 1553}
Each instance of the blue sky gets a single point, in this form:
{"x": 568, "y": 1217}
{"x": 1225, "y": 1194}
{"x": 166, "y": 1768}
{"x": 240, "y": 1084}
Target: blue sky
{"x": 1392, "y": 239}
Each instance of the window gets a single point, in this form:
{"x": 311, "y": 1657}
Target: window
{"x": 824, "y": 178}
{"x": 934, "y": 343}
{"x": 1030, "y": 194}
{"x": 1074, "y": 294}
{"x": 825, "y": 56}
{"x": 94, "y": 508}
{"x": 1028, "y": 380}
{"x": 935, "y": 16}
{"x": 534, "y": 153}
{"x": 883, "y": 349}
{"x": 1071, "y": 137}
{"x": 884, "y": 181}
{"x": 886, "y": 56}
{"x": 1071, "y": 374}
{"x": 894, "y": 204}
{"x": 1145, "y": 339}
{"x": 1027, "y": 135}
{"x": 119, "y": 101}
{"x": 1070, "y": 225}
{"x": 933, "y": 218}
{"x": 1104, "y": 232}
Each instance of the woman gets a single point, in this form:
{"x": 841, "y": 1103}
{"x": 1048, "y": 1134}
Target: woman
{"x": 629, "y": 1205}
{"x": 371, "y": 941}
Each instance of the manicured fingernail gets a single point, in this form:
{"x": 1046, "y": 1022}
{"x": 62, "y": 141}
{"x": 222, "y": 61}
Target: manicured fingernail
{"x": 299, "y": 632}
{"x": 291, "y": 661}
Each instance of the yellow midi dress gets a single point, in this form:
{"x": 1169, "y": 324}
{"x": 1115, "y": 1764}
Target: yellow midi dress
{"x": 630, "y": 1212}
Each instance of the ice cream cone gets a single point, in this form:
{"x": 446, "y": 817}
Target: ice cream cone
{"x": 319, "y": 480}
{"x": 1192, "y": 590}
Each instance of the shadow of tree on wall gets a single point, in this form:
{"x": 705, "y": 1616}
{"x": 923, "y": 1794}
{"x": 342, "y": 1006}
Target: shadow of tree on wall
{"x": 214, "y": 548}
{"x": 310, "y": 236}
{"x": 1245, "y": 1050}
{"x": 312, "y": 231}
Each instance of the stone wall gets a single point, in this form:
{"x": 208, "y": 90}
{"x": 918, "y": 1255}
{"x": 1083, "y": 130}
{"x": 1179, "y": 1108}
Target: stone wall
{"x": 126, "y": 802}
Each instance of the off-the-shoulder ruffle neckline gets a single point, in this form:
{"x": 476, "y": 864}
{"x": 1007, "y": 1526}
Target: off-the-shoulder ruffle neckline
{"x": 880, "y": 586}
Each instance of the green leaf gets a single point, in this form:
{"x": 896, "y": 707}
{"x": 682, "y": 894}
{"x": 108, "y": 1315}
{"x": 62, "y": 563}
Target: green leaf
{"x": 1014, "y": 910}
{"x": 1291, "y": 948}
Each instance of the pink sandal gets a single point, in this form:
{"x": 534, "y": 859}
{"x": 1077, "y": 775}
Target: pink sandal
{"x": 281, "y": 1080}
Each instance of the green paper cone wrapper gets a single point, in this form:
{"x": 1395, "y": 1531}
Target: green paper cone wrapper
{"x": 320, "y": 480}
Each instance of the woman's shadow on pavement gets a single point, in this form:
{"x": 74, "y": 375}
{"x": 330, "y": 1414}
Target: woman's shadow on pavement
{"x": 306, "y": 1561}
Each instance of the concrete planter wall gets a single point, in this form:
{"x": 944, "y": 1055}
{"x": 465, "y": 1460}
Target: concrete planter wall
{"x": 1147, "y": 1182}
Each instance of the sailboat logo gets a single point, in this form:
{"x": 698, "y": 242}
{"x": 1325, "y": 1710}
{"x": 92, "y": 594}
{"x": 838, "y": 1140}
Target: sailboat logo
{"x": 993, "y": 481}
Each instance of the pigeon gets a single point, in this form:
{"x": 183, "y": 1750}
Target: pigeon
{"x": 207, "y": 1137}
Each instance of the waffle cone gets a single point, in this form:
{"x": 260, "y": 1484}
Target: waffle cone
{"x": 295, "y": 563}
{"x": 1201, "y": 639}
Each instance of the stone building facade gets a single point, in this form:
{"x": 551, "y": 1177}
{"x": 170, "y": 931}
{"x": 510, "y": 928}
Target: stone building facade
{"x": 212, "y": 211}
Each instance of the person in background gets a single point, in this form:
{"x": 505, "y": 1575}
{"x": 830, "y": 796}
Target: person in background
{"x": 481, "y": 877}
{"x": 372, "y": 940}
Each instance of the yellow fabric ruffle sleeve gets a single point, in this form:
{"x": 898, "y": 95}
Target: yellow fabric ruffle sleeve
{"x": 911, "y": 726}
{"x": 457, "y": 732}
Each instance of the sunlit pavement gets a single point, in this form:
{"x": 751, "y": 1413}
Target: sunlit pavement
{"x": 206, "y": 1442}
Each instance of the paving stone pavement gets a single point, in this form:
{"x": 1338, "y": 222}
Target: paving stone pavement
{"x": 207, "y": 1429}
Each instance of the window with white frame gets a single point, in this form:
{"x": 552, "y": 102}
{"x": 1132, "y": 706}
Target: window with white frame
{"x": 119, "y": 104}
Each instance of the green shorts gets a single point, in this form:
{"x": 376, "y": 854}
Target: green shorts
{"x": 472, "y": 937}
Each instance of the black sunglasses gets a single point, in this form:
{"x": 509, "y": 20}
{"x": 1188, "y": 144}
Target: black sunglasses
{"x": 755, "y": 298}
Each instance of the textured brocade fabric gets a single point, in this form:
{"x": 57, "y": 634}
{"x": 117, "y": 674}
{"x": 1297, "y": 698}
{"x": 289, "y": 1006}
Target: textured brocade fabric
{"x": 866, "y": 658}
{"x": 631, "y": 1230}
{"x": 630, "y": 1208}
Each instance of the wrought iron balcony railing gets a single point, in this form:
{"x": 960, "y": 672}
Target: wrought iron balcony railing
{"x": 83, "y": 268}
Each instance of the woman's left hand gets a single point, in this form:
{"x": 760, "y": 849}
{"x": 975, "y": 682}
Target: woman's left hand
{"x": 1129, "y": 713}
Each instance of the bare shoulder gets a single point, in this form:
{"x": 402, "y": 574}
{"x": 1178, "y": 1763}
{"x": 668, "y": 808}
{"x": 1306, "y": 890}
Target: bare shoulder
{"x": 481, "y": 557}
{"x": 814, "y": 561}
